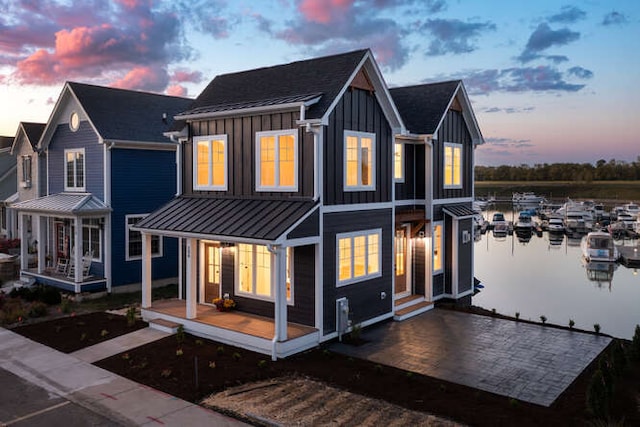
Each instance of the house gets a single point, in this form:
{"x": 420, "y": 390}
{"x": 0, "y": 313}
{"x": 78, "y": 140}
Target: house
{"x": 7, "y": 183}
{"x": 299, "y": 200}
{"x": 30, "y": 164}
{"x": 104, "y": 164}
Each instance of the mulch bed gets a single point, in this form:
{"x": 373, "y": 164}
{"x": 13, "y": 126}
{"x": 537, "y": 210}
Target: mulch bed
{"x": 170, "y": 365}
{"x": 69, "y": 334}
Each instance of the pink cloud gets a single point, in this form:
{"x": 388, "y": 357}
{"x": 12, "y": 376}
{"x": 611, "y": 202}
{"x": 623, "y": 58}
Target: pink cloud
{"x": 143, "y": 78}
{"x": 177, "y": 90}
{"x": 324, "y": 11}
{"x": 186, "y": 76}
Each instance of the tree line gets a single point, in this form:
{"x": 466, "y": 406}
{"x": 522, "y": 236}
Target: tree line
{"x": 613, "y": 170}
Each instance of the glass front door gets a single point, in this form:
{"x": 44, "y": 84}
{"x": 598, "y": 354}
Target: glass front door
{"x": 212, "y": 261}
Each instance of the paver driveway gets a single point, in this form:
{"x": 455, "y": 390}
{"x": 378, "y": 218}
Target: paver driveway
{"x": 533, "y": 363}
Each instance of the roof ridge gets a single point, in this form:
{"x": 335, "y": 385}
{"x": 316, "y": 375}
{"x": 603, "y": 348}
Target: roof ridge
{"x": 130, "y": 91}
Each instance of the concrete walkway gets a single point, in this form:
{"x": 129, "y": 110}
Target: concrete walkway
{"x": 528, "y": 362}
{"x": 109, "y": 395}
{"x": 118, "y": 345}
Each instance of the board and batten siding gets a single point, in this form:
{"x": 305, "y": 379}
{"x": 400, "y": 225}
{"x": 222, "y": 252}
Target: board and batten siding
{"x": 414, "y": 174}
{"x": 465, "y": 256}
{"x": 454, "y": 130}
{"x": 365, "y": 301}
{"x": 64, "y": 139}
{"x": 141, "y": 182}
{"x": 418, "y": 269}
{"x": 241, "y": 151}
{"x": 357, "y": 110}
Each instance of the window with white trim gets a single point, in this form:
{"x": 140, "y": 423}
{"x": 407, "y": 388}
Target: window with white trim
{"x": 277, "y": 160}
{"x": 74, "y": 170}
{"x": 398, "y": 162}
{"x": 91, "y": 238}
{"x": 133, "y": 240}
{"x": 452, "y": 165}
{"x": 359, "y": 160}
{"x": 438, "y": 246}
{"x": 254, "y": 272}
{"x": 210, "y": 155}
{"x": 359, "y": 256}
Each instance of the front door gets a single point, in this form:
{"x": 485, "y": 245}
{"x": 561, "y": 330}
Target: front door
{"x": 402, "y": 261}
{"x": 212, "y": 262}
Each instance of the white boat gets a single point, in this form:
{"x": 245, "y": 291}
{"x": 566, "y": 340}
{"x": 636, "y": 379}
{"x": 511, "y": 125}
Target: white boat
{"x": 555, "y": 225}
{"x": 598, "y": 246}
{"x": 499, "y": 224}
{"x": 574, "y": 221}
{"x": 632, "y": 209}
{"x": 627, "y": 219}
{"x": 524, "y": 221}
{"x": 527, "y": 198}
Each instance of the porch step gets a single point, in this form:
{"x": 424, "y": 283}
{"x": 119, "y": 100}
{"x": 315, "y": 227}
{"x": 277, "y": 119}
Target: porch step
{"x": 407, "y": 301}
{"x": 412, "y": 310}
{"x": 164, "y": 325}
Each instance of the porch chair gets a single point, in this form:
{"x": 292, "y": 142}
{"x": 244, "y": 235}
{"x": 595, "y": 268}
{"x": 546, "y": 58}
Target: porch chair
{"x": 62, "y": 265}
{"x": 86, "y": 266}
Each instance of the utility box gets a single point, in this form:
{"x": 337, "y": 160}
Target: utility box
{"x": 342, "y": 317}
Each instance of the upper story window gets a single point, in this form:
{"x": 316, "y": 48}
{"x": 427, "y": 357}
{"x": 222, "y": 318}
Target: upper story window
{"x": 452, "y": 165}
{"x": 277, "y": 160}
{"x": 398, "y": 162}
{"x": 26, "y": 171}
{"x": 359, "y": 256}
{"x": 359, "y": 163}
{"x": 74, "y": 175}
{"x": 133, "y": 244}
{"x": 74, "y": 121}
{"x": 210, "y": 162}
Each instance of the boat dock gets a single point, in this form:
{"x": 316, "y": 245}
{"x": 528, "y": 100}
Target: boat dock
{"x": 629, "y": 255}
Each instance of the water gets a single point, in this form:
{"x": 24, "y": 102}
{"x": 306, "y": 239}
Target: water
{"x": 545, "y": 278}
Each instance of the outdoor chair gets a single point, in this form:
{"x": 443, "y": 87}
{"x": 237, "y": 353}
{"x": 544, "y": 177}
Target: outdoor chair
{"x": 62, "y": 265}
{"x": 86, "y": 266}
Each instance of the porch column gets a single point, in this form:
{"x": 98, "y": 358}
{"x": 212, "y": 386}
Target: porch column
{"x": 192, "y": 278}
{"x": 42, "y": 244}
{"x": 77, "y": 253}
{"x": 146, "y": 270}
{"x": 24, "y": 242}
{"x": 280, "y": 276}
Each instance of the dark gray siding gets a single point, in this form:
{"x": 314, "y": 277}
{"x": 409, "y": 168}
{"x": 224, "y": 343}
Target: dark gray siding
{"x": 420, "y": 171}
{"x": 448, "y": 253}
{"x": 357, "y": 110}
{"x": 453, "y": 129}
{"x": 241, "y": 134}
{"x": 407, "y": 190}
{"x": 418, "y": 269}
{"x": 308, "y": 228}
{"x": 438, "y": 285}
{"x": 364, "y": 297}
{"x": 465, "y": 256}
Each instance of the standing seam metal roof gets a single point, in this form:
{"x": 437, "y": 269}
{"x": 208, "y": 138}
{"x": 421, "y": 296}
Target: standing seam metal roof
{"x": 64, "y": 204}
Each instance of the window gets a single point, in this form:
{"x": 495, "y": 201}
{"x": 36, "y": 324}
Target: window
{"x": 359, "y": 256}
{"x": 438, "y": 249}
{"x": 74, "y": 121}
{"x": 398, "y": 162}
{"x": 26, "y": 171}
{"x": 277, "y": 160}
{"x": 359, "y": 165}
{"x": 452, "y": 165}
{"x": 210, "y": 162}
{"x": 133, "y": 239}
{"x": 254, "y": 275}
{"x": 74, "y": 170}
{"x": 91, "y": 237}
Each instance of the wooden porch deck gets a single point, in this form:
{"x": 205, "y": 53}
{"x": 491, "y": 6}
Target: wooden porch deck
{"x": 53, "y": 278}
{"x": 237, "y": 321}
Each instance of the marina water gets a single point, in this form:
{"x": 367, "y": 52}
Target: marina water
{"x": 544, "y": 277}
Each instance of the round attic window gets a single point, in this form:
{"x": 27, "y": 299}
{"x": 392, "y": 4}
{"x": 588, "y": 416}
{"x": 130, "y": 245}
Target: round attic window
{"x": 74, "y": 121}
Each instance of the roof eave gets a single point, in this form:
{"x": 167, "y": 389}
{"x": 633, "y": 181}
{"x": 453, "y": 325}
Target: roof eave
{"x": 141, "y": 145}
{"x": 291, "y": 106}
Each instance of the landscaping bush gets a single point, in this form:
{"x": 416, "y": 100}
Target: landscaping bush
{"x": 46, "y": 294}
{"x": 634, "y": 349}
{"x": 38, "y": 309}
{"x": 597, "y": 398}
{"x": 50, "y": 295}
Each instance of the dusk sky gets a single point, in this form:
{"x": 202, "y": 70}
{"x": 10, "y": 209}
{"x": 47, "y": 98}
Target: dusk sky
{"x": 549, "y": 81}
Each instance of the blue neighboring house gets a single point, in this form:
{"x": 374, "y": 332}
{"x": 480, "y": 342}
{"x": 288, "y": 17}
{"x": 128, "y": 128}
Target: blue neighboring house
{"x": 108, "y": 165}
{"x": 7, "y": 182}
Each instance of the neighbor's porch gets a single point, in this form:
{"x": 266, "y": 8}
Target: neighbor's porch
{"x": 245, "y": 330}
{"x": 49, "y": 276}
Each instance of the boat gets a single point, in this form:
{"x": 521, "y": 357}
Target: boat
{"x": 575, "y": 221}
{"x": 600, "y": 272}
{"x": 527, "y": 198}
{"x": 599, "y": 246}
{"x": 627, "y": 220}
{"x": 555, "y": 225}
{"x": 632, "y": 209}
{"x": 524, "y": 221}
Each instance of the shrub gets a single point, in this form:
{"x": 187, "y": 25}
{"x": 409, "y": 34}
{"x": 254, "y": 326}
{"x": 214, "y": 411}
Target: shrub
{"x": 262, "y": 364}
{"x": 104, "y": 333}
{"x": 179, "y": 352}
{"x": 543, "y": 319}
{"x": 571, "y": 323}
{"x": 220, "y": 349}
{"x": 180, "y": 334}
{"x": 618, "y": 359}
{"x": 49, "y": 295}
{"x": 607, "y": 376}
{"x": 596, "y": 327}
{"x": 38, "y": 309}
{"x": 597, "y": 400}
{"x": 356, "y": 331}
{"x": 634, "y": 349}
{"x": 65, "y": 306}
{"x": 131, "y": 316}
{"x": 517, "y": 315}
{"x": 236, "y": 356}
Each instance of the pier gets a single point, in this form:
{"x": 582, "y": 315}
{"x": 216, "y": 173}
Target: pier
{"x": 630, "y": 255}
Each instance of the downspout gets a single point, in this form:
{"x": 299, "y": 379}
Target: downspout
{"x": 278, "y": 316}
{"x": 315, "y": 130}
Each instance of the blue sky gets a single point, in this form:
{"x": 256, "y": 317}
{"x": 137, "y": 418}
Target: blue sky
{"x": 549, "y": 81}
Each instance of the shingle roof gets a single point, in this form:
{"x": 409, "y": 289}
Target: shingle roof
{"x": 423, "y": 106}
{"x": 326, "y": 75}
{"x": 64, "y": 204}
{"x": 33, "y": 132}
{"x": 6, "y": 141}
{"x": 126, "y": 115}
{"x": 258, "y": 219}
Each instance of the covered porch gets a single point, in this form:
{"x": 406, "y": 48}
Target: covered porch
{"x": 245, "y": 330}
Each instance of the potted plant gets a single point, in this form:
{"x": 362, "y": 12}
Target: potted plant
{"x": 224, "y": 304}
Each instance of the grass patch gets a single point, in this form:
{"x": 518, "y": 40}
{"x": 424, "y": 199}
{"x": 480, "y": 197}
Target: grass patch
{"x": 116, "y": 301}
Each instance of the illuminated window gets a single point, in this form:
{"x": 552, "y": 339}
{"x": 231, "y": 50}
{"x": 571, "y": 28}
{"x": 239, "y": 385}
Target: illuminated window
{"x": 438, "y": 249}
{"x": 359, "y": 161}
{"x": 452, "y": 165}
{"x": 254, "y": 272}
{"x": 277, "y": 160}
{"x": 74, "y": 170}
{"x": 133, "y": 239}
{"x": 398, "y": 162}
{"x": 359, "y": 256}
{"x": 210, "y": 162}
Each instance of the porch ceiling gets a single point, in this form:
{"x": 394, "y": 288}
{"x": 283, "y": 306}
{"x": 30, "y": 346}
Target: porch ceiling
{"x": 74, "y": 204}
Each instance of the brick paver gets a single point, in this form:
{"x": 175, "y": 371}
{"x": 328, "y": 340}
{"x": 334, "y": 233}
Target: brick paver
{"x": 528, "y": 362}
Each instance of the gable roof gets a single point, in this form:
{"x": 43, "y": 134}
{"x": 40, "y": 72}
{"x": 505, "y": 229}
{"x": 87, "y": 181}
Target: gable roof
{"x": 64, "y": 204}
{"x": 5, "y": 142}
{"x": 32, "y": 131}
{"x": 424, "y": 107}
{"x": 120, "y": 115}
{"x": 313, "y": 83}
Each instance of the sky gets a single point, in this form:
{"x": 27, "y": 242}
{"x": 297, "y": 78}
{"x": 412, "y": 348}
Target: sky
{"x": 549, "y": 81}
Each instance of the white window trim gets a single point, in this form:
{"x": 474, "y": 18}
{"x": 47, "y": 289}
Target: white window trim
{"x": 254, "y": 295}
{"x": 128, "y": 257}
{"x": 100, "y": 238}
{"x": 277, "y": 186}
{"x": 402, "y": 157}
{"x": 359, "y": 187}
{"x": 84, "y": 170}
{"x": 210, "y": 138}
{"x": 366, "y": 276}
{"x": 444, "y": 169}
{"x": 433, "y": 247}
